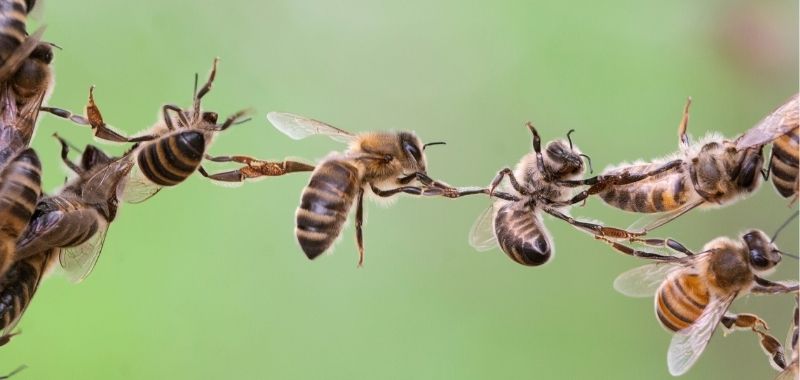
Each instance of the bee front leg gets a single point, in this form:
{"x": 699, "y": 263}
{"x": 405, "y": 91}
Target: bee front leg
{"x": 764, "y": 286}
{"x": 771, "y": 346}
{"x": 507, "y": 172}
{"x": 254, "y": 168}
{"x": 600, "y": 231}
{"x": 452, "y": 192}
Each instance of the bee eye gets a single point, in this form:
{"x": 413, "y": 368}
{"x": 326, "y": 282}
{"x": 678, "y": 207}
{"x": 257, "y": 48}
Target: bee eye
{"x": 757, "y": 259}
{"x": 411, "y": 150}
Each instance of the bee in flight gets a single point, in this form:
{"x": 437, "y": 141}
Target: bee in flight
{"x": 782, "y": 128}
{"x": 710, "y": 173}
{"x": 693, "y": 292}
{"x": 514, "y": 221}
{"x": 383, "y": 163}
{"x": 170, "y": 151}
{"x": 76, "y": 219}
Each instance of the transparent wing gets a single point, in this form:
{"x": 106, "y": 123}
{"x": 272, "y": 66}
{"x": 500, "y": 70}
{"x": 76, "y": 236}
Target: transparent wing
{"x": 136, "y": 188}
{"x": 653, "y": 221}
{"x": 481, "y": 236}
{"x": 79, "y": 261}
{"x": 28, "y": 115}
{"x": 20, "y": 54}
{"x": 643, "y": 281}
{"x": 689, "y": 343}
{"x": 780, "y": 122}
{"x": 103, "y": 184}
{"x": 299, "y": 127}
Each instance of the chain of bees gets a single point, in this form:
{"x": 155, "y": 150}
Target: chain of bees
{"x": 693, "y": 289}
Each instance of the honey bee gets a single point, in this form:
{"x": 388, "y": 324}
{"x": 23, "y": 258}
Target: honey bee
{"x": 695, "y": 291}
{"x": 170, "y": 151}
{"x": 713, "y": 172}
{"x": 781, "y": 127}
{"x": 17, "y": 288}
{"x": 514, "y": 221}
{"x": 76, "y": 219}
{"x": 20, "y": 188}
{"x": 383, "y": 163}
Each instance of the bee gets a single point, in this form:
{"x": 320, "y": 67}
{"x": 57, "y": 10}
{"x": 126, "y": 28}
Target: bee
{"x": 383, "y": 163}
{"x": 514, "y": 221}
{"x": 20, "y": 188}
{"x": 76, "y": 219}
{"x": 693, "y": 291}
{"x": 781, "y": 127}
{"x": 713, "y": 172}
{"x": 792, "y": 369}
{"x": 170, "y": 151}
{"x": 17, "y": 288}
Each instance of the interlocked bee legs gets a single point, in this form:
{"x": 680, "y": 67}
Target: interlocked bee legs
{"x": 254, "y": 168}
{"x": 601, "y": 182}
{"x": 598, "y": 230}
{"x": 771, "y": 346}
{"x": 764, "y": 286}
{"x": 359, "y": 224}
{"x": 635, "y": 252}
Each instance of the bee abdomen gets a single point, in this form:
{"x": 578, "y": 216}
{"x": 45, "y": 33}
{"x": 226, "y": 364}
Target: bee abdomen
{"x": 784, "y": 162}
{"x": 13, "y": 15}
{"x": 20, "y": 187}
{"x": 666, "y": 194}
{"x": 522, "y": 236}
{"x": 324, "y": 206}
{"x": 18, "y": 286}
{"x": 171, "y": 159}
{"x": 680, "y": 301}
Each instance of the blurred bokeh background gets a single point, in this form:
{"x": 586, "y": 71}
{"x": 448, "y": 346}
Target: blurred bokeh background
{"x": 207, "y": 282}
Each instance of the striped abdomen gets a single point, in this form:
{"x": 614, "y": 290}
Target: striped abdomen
{"x": 784, "y": 163}
{"x": 18, "y": 286}
{"x": 325, "y": 204}
{"x": 680, "y": 300}
{"x": 13, "y": 15}
{"x": 522, "y": 235}
{"x": 20, "y": 187}
{"x": 169, "y": 160}
{"x": 59, "y": 223}
{"x": 663, "y": 193}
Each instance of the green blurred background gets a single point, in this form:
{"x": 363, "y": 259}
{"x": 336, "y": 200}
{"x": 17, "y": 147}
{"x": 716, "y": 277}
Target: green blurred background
{"x": 207, "y": 282}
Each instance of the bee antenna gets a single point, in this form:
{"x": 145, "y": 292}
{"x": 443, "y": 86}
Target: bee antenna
{"x": 786, "y": 223}
{"x": 789, "y": 254}
{"x": 569, "y": 138}
{"x": 433, "y": 143}
{"x": 588, "y": 160}
{"x": 55, "y": 46}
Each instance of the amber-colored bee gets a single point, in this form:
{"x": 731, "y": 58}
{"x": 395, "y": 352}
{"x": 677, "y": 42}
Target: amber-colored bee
{"x": 170, "y": 151}
{"x": 694, "y": 292}
{"x": 515, "y": 220}
{"x": 710, "y": 173}
{"x": 17, "y": 288}
{"x": 20, "y": 188}
{"x": 76, "y": 219}
{"x": 384, "y": 163}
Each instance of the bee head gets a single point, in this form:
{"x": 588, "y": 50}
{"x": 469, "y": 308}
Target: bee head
{"x": 413, "y": 152}
{"x": 763, "y": 255}
{"x": 563, "y": 159}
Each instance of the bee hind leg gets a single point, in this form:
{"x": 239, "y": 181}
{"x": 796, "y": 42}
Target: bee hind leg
{"x": 771, "y": 346}
{"x": 254, "y": 168}
{"x": 600, "y": 231}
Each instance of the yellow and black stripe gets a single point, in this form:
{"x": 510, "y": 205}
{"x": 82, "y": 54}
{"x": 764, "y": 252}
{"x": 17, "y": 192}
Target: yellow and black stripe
{"x": 680, "y": 301}
{"x": 784, "y": 163}
{"x": 521, "y": 235}
{"x": 18, "y": 286}
{"x": 13, "y": 16}
{"x": 169, "y": 160}
{"x": 649, "y": 196}
{"x": 324, "y": 205}
{"x": 20, "y": 188}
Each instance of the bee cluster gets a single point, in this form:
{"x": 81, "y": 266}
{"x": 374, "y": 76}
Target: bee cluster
{"x": 693, "y": 290}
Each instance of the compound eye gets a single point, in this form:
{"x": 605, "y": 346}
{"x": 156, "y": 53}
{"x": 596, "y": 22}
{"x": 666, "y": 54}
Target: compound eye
{"x": 757, "y": 259}
{"x": 411, "y": 150}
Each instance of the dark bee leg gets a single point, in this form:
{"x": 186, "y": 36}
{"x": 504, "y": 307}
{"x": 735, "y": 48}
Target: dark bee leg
{"x": 14, "y": 372}
{"x": 684, "y": 124}
{"x": 413, "y": 190}
{"x": 772, "y": 347}
{"x": 7, "y": 338}
{"x": 595, "y": 229}
{"x": 254, "y": 169}
{"x": 232, "y": 120}
{"x": 94, "y": 119}
{"x": 511, "y": 179}
{"x": 359, "y": 223}
{"x": 764, "y": 286}
{"x": 452, "y": 192}
{"x": 537, "y": 148}
{"x": 64, "y": 153}
{"x": 635, "y": 252}
{"x": 667, "y": 243}
{"x": 178, "y": 111}
{"x": 206, "y": 87}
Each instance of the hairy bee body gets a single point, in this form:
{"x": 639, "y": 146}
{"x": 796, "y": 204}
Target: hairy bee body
{"x": 171, "y": 159}
{"x": 666, "y": 192}
{"x": 18, "y": 286}
{"x": 522, "y": 235}
{"x": 325, "y": 203}
{"x": 20, "y": 188}
{"x": 784, "y": 163}
{"x": 13, "y": 16}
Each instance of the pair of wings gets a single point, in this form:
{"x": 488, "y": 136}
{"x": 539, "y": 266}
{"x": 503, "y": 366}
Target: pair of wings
{"x": 781, "y": 121}
{"x": 688, "y": 344}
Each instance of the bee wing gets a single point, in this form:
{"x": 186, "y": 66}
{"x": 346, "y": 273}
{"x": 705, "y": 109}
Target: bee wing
{"x": 299, "y": 127}
{"x": 778, "y": 123}
{"x": 643, "y": 281}
{"x": 653, "y": 221}
{"x": 79, "y": 261}
{"x": 136, "y": 188}
{"x": 689, "y": 343}
{"x": 29, "y": 114}
{"x": 20, "y": 54}
{"x": 101, "y": 186}
{"x": 481, "y": 236}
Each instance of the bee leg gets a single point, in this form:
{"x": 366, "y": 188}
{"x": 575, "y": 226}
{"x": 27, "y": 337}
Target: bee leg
{"x": 771, "y": 346}
{"x": 452, "y": 192}
{"x": 4, "y": 340}
{"x": 14, "y": 372}
{"x": 178, "y": 111}
{"x": 512, "y": 179}
{"x": 684, "y": 124}
{"x": 635, "y": 252}
{"x": 764, "y": 286}
{"x": 359, "y": 223}
{"x": 101, "y": 129}
{"x": 254, "y": 169}
{"x": 537, "y": 148}
{"x": 601, "y": 182}
{"x": 667, "y": 243}
{"x": 593, "y": 228}
{"x": 232, "y": 120}
{"x": 64, "y": 153}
